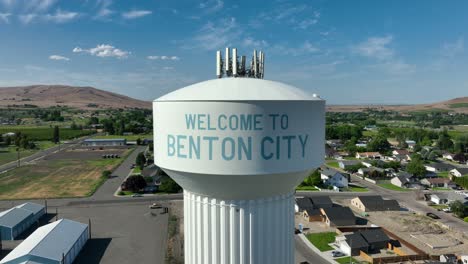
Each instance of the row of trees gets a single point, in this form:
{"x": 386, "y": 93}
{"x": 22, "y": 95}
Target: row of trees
{"x": 20, "y": 140}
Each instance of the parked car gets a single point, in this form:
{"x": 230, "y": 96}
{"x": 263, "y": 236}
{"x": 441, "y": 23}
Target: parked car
{"x": 433, "y": 216}
{"x": 447, "y": 210}
{"x": 336, "y": 253}
{"x": 155, "y": 206}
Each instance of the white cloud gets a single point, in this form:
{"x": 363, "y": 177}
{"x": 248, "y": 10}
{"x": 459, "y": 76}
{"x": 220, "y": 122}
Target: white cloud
{"x": 217, "y": 35}
{"x": 254, "y": 43}
{"x": 104, "y": 11}
{"x": 376, "y": 47}
{"x": 4, "y": 17}
{"x": 27, "y": 18}
{"x": 155, "y": 57}
{"x": 211, "y": 6}
{"x": 103, "y": 50}
{"x": 58, "y": 57}
{"x": 136, "y": 14}
{"x": 305, "y": 48}
{"x": 454, "y": 48}
{"x": 7, "y": 3}
{"x": 39, "y": 5}
{"x": 61, "y": 16}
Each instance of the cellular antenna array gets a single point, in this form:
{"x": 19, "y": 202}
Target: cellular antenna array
{"x": 232, "y": 67}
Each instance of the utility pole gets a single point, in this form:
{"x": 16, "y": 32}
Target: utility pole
{"x": 18, "y": 155}
{"x": 89, "y": 228}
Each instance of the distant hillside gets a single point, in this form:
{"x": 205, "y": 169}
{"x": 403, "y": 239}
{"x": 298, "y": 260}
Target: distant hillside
{"x": 76, "y": 97}
{"x": 458, "y": 105}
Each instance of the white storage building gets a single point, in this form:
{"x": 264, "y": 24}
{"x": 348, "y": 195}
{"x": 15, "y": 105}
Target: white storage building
{"x": 56, "y": 243}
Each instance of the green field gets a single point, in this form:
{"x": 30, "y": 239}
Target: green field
{"x": 321, "y": 240}
{"x": 10, "y": 154}
{"x": 393, "y": 187}
{"x": 333, "y": 164}
{"x": 444, "y": 174}
{"x": 130, "y": 138}
{"x": 357, "y": 189}
{"x": 459, "y": 105}
{"x": 45, "y": 133}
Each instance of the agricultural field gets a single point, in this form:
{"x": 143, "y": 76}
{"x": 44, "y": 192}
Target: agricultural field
{"x": 9, "y": 154}
{"x": 45, "y": 133}
{"x": 129, "y": 138}
{"x": 72, "y": 173}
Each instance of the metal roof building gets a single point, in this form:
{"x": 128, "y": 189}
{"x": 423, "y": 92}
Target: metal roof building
{"x": 105, "y": 142}
{"x": 58, "y": 242}
{"x": 14, "y": 221}
{"x": 38, "y": 210}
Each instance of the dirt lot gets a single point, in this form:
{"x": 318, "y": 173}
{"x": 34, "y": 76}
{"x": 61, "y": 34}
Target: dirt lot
{"x": 175, "y": 243}
{"x": 74, "y": 173}
{"x": 404, "y": 224}
{"x": 87, "y": 154}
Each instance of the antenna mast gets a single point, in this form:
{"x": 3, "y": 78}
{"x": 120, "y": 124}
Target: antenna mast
{"x": 232, "y": 67}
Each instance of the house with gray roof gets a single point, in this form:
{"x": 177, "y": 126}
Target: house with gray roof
{"x": 345, "y": 164}
{"x": 334, "y": 178}
{"x": 372, "y": 203}
{"x": 338, "y": 216}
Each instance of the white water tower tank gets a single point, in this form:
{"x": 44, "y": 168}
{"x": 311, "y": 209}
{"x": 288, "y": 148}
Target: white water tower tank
{"x": 239, "y": 147}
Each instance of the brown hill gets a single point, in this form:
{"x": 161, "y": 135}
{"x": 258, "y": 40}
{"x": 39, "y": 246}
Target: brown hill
{"x": 458, "y": 105}
{"x": 71, "y": 96}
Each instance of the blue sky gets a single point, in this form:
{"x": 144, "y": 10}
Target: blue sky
{"x": 349, "y": 52}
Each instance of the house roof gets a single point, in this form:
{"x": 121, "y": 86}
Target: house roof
{"x": 49, "y": 241}
{"x": 304, "y": 203}
{"x": 13, "y": 216}
{"x": 340, "y": 216}
{"x": 105, "y": 140}
{"x": 440, "y": 165}
{"x": 457, "y": 197}
{"x": 349, "y": 162}
{"x": 329, "y": 172}
{"x": 355, "y": 240}
{"x": 375, "y": 202}
{"x": 404, "y": 174}
{"x": 438, "y": 180}
{"x": 321, "y": 200}
{"x": 402, "y": 179}
{"x": 440, "y": 196}
{"x": 401, "y": 151}
{"x": 312, "y": 211}
{"x": 374, "y": 235}
{"x": 462, "y": 171}
{"x": 368, "y": 154}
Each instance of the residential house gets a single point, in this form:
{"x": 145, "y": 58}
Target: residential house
{"x": 338, "y": 216}
{"x": 438, "y": 183}
{"x": 439, "y": 198}
{"x": 334, "y": 178}
{"x": 312, "y": 215}
{"x": 368, "y": 240}
{"x": 303, "y": 203}
{"x": 410, "y": 143}
{"x": 464, "y": 259}
{"x": 374, "y": 203}
{"x": 345, "y": 164}
{"x": 309, "y": 208}
{"x": 400, "y": 181}
{"x": 368, "y": 155}
{"x": 367, "y": 171}
{"x": 452, "y": 197}
{"x": 352, "y": 244}
{"x": 439, "y": 167}
{"x": 460, "y": 158}
{"x": 376, "y": 163}
{"x": 402, "y": 152}
{"x": 448, "y": 156}
{"x": 448, "y": 258}
{"x": 376, "y": 238}
{"x": 321, "y": 202}
{"x": 459, "y": 172}
{"x": 370, "y": 127}
{"x": 335, "y": 143}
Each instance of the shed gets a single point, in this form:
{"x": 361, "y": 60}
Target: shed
{"x": 38, "y": 210}
{"x": 14, "y": 221}
{"x": 56, "y": 243}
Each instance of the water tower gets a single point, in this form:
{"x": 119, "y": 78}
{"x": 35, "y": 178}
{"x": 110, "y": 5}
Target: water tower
{"x": 239, "y": 146}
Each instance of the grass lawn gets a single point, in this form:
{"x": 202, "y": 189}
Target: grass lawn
{"x": 439, "y": 206}
{"x": 306, "y": 188}
{"x": 357, "y": 189}
{"x": 440, "y": 189}
{"x": 9, "y": 154}
{"x": 130, "y": 138}
{"x": 136, "y": 170}
{"x": 56, "y": 178}
{"x": 321, "y": 240}
{"x": 333, "y": 164}
{"x": 444, "y": 174}
{"x": 346, "y": 260}
{"x": 393, "y": 187}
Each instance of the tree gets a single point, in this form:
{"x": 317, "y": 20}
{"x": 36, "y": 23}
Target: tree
{"x": 74, "y": 126}
{"x": 312, "y": 180}
{"x": 138, "y": 141}
{"x": 168, "y": 185}
{"x": 379, "y": 143}
{"x": 135, "y": 183}
{"x": 56, "y": 135}
{"x": 458, "y": 208}
{"x": 444, "y": 142}
{"x": 416, "y": 167}
{"x": 140, "y": 160}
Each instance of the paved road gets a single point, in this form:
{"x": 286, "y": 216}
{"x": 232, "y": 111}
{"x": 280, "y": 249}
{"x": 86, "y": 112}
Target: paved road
{"x": 303, "y": 253}
{"x": 41, "y": 154}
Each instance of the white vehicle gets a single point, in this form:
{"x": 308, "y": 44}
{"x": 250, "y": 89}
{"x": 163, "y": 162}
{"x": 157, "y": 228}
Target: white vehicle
{"x": 447, "y": 210}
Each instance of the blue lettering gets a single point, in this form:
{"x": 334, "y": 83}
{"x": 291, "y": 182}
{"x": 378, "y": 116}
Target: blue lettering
{"x": 233, "y": 122}
{"x": 210, "y": 145}
{"x": 246, "y": 122}
{"x": 303, "y": 143}
{"x": 209, "y": 124}
{"x": 228, "y": 156}
{"x": 273, "y": 118}
{"x": 258, "y": 122}
{"x": 278, "y": 147}
{"x": 194, "y": 148}
{"x": 284, "y": 122}
{"x": 289, "y": 138}
{"x": 180, "y": 146}
{"x": 246, "y": 149}
{"x": 190, "y": 121}
{"x": 170, "y": 145}
{"x": 201, "y": 122}
{"x": 264, "y": 156}
{"x": 221, "y": 127}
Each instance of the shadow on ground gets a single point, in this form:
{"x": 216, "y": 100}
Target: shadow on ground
{"x": 93, "y": 251}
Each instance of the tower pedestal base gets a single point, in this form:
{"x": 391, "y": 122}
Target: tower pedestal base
{"x": 238, "y": 231}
